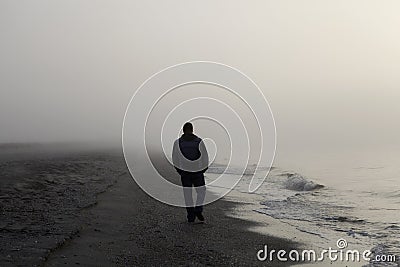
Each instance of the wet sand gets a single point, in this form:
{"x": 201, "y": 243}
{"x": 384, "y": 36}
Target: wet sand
{"x": 43, "y": 191}
{"x": 84, "y": 209}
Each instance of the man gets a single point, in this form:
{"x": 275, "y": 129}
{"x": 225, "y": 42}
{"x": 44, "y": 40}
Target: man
{"x": 190, "y": 159}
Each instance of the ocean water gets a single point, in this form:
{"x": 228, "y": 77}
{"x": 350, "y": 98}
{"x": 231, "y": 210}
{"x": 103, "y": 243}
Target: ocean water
{"x": 353, "y": 195}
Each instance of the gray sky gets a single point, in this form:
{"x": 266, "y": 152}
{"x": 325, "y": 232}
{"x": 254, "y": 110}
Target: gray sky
{"x": 329, "y": 69}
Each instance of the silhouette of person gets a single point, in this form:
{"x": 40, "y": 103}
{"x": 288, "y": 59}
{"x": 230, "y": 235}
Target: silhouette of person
{"x": 190, "y": 159}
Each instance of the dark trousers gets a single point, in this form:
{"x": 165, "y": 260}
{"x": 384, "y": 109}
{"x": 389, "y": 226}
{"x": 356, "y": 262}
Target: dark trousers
{"x": 188, "y": 181}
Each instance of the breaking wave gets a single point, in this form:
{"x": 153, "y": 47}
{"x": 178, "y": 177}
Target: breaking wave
{"x": 297, "y": 182}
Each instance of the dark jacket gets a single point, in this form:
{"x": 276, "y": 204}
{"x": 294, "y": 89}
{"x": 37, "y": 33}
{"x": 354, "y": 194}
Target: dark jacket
{"x": 191, "y": 148}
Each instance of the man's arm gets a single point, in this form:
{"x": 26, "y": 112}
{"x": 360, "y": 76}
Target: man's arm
{"x": 175, "y": 156}
{"x": 204, "y": 156}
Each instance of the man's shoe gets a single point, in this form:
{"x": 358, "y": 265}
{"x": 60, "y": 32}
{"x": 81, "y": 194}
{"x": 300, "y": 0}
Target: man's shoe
{"x": 191, "y": 218}
{"x": 200, "y": 217}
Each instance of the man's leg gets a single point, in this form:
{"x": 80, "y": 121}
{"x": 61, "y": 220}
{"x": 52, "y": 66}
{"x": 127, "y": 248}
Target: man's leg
{"x": 199, "y": 184}
{"x": 187, "y": 193}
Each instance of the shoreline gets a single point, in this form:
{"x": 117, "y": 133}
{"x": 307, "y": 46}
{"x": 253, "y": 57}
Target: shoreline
{"x": 127, "y": 227}
{"x": 83, "y": 208}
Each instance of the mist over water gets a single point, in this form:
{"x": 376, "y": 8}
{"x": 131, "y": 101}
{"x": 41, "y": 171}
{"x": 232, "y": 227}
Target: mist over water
{"x": 329, "y": 71}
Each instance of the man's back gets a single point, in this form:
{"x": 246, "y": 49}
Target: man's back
{"x": 190, "y": 154}
{"x": 189, "y": 146}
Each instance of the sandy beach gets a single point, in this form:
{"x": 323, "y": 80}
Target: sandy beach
{"x": 100, "y": 217}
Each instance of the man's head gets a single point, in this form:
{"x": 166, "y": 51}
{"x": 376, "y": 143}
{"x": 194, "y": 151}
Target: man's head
{"x": 188, "y": 128}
